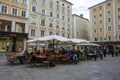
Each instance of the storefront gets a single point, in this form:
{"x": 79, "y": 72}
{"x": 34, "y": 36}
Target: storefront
{"x": 12, "y": 41}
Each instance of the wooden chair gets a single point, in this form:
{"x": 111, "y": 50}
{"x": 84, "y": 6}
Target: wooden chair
{"x": 11, "y": 57}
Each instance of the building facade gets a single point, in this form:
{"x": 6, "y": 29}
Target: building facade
{"x": 105, "y": 22}
{"x": 80, "y": 27}
{"x": 48, "y": 17}
{"x": 13, "y": 25}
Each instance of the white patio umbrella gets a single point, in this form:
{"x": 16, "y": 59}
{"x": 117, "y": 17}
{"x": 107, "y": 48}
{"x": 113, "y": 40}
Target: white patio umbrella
{"x": 53, "y": 37}
{"x": 31, "y": 41}
{"x": 52, "y": 40}
{"x": 88, "y": 44}
{"x": 74, "y": 40}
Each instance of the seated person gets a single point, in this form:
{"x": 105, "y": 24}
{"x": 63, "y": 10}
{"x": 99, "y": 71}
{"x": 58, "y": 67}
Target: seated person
{"x": 68, "y": 53}
{"x": 21, "y": 56}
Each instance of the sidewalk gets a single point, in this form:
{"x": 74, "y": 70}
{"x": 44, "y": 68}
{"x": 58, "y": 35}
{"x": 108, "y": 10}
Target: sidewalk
{"x": 106, "y": 69}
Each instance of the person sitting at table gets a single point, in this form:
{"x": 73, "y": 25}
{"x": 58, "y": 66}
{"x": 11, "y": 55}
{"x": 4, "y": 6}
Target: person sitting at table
{"x": 21, "y": 56}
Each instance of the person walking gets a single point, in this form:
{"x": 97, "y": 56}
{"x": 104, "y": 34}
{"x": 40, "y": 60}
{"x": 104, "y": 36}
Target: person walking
{"x": 95, "y": 54}
{"x": 104, "y": 51}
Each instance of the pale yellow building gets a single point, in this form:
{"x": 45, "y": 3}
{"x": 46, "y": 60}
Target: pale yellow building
{"x": 47, "y": 17}
{"x": 13, "y": 25}
{"x": 105, "y": 22}
{"x": 80, "y": 27}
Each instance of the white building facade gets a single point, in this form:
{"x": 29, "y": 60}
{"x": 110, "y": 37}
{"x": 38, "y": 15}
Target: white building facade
{"x": 80, "y": 27}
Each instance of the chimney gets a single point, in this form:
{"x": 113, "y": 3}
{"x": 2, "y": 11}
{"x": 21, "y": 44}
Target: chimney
{"x": 81, "y": 15}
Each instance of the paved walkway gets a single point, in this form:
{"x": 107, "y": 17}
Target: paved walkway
{"x": 107, "y": 69}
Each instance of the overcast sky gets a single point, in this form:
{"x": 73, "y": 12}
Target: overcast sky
{"x": 81, "y": 6}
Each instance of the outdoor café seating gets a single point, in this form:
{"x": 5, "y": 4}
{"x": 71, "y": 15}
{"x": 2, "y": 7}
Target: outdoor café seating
{"x": 12, "y": 57}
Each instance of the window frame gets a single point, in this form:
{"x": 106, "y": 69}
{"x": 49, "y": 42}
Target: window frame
{"x": 15, "y": 13}
{"x": 5, "y": 11}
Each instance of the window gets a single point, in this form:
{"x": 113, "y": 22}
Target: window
{"x": 119, "y": 37}
{"x": 109, "y": 28}
{"x": 50, "y": 33}
{"x": 51, "y": 24}
{"x": 109, "y": 19}
{"x": 68, "y": 36}
{"x": 95, "y": 39}
{"x": 4, "y": 9}
{"x": 100, "y": 14}
{"x": 14, "y": 11}
{"x": 68, "y": 12}
{"x": 118, "y": 0}
{"x": 57, "y": 33}
{"x": 24, "y": 1}
{"x": 100, "y": 7}
{"x": 100, "y": 38}
{"x": 94, "y": 22}
{"x": 108, "y": 4}
{"x": 94, "y": 30}
{"x": 15, "y": 0}
{"x": 23, "y": 13}
{"x": 68, "y": 19}
{"x": 118, "y": 17}
{"x": 57, "y": 25}
{"x": 63, "y": 26}
{"x": 34, "y": 1}
{"x": 42, "y": 22}
{"x": 57, "y": 16}
{"x": 63, "y": 35}
{"x": 100, "y": 29}
{"x": 68, "y": 27}
{"x": 51, "y": 14}
{"x": 33, "y": 19}
{"x": 51, "y": 4}
{"x": 63, "y": 18}
{"x": 63, "y": 9}
{"x": 57, "y": 1}
{"x": 32, "y": 32}
{"x": 109, "y": 12}
{"x": 58, "y": 7}
{"x": 109, "y": 38}
{"x": 94, "y": 16}
{"x": 43, "y": 2}
{"x": 43, "y": 11}
{"x": 118, "y": 26}
{"x": 33, "y": 8}
{"x": 42, "y": 33}
{"x": 119, "y": 9}
{"x": 94, "y": 9}
{"x": 100, "y": 21}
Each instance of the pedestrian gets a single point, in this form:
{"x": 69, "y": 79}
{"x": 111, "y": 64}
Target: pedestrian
{"x": 112, "y": 52}
{"x": 95, "y": 54}
{"x": 101, "y": 53}
{"x": 104, "y": 51}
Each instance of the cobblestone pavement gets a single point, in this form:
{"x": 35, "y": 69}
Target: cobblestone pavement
{"x": 106, "y": 69}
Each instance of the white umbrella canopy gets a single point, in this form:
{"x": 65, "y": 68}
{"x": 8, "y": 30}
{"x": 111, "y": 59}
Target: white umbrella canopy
{"x": 87, "y": 44}
{"x": 53, "y": 37}
{"x": 31, "y": 41}
{"x": 74, "y": 40}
